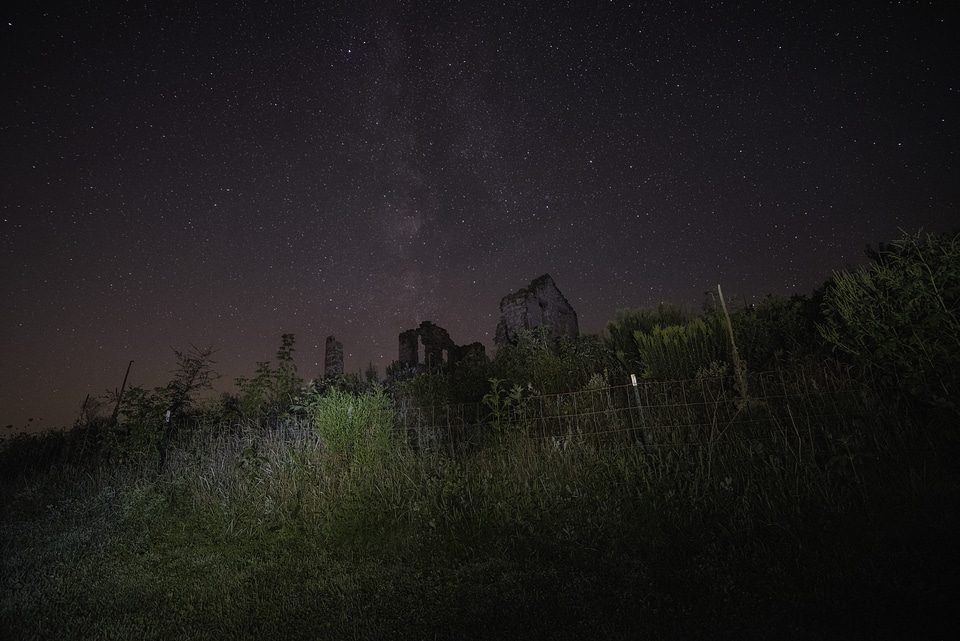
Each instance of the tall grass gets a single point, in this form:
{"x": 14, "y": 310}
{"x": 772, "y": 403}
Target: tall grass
{"x": 253, "y": 529}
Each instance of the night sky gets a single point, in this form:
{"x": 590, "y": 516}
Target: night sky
{"x": 221, "y": 173}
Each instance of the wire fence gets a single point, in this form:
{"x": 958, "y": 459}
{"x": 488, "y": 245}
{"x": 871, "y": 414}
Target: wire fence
{"x": 799, "y": 405}
{"x": 661, "y": 413}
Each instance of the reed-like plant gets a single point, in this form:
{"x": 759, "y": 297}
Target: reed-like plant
{"x": 678, "y": 352}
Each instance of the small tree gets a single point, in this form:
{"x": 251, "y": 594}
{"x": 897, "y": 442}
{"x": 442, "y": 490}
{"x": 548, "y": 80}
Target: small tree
{"x": 286, "y": 382}
{"x": 147, "y": 416}
{"x": 255, "y": 392}
{"x": 370, "y": 375}
{"x": 138, "y": 434}
{"x": 271, "y": 390}
{"x": 194, "y": 373}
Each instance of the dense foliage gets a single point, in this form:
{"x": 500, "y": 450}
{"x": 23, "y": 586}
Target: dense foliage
{"x": 274, "y": 387}
{"x": 898, "y": 319}
{"x": 532, "y": 491}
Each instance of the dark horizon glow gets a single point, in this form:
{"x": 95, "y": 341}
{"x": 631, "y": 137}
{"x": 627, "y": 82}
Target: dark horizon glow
{"x": 220, "y": 174}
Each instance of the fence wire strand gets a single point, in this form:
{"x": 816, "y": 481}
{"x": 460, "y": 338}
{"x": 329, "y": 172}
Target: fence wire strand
{"x": 683, "y": 412}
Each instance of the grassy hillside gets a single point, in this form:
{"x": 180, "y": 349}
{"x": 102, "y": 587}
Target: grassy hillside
{"x": 845, "y": 528}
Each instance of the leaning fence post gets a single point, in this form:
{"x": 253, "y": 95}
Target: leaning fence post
{"x": 636, "y": 392}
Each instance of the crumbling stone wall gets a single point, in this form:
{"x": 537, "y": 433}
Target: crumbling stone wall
{"x": 438, "y": 348}
{"x": 333, "y": 357}
{"x": 409, "y": 355}
{"x": 540, "y": 303}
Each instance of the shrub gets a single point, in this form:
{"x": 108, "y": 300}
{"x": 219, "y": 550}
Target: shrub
{"x": 898, "y": 319}
{"x": 546, "y": 364}
{"x": 619, "y": 335}
{"x": 774, "y": 331}
{"x": 422, "y": 389}
{"x": 355, "y": 426}
{"x": 271, "y": 391}
{"x": 139, "y": 432}
{"x": 680, "y": 351}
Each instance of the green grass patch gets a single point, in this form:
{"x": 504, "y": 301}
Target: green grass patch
{"x": 252, "y": 533}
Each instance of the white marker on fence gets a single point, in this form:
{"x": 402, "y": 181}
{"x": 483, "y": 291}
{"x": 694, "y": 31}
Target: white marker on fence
{"x": 636, "y": 392}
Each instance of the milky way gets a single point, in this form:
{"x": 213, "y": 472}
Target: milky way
{"x": 223, "y": 173}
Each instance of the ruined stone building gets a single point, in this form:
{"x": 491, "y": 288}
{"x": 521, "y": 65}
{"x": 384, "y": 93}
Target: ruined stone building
{"x": 431, "y": 346}
{"x": 539, "y": 303}
{"x": 333, "y": 358}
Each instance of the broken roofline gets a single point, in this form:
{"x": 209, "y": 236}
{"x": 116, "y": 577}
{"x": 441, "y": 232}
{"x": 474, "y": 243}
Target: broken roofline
{"x": 539, "y": 303}
{"x": 438, "y": 347}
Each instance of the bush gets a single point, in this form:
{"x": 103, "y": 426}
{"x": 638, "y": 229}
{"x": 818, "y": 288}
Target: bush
{"x": 898, "y": 319}
{"x": 271, "y": 391}
{"x": 356, "y": 426}
{"x": 547, "y": 364}
{"x": 775, "y": 331}
{"x": 680, "y": 351}
{"x": 620, "y": 333}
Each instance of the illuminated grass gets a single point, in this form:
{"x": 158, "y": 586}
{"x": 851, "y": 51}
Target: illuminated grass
{"x": 257, "y": 533}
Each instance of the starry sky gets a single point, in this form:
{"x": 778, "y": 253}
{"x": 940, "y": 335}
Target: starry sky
{"x": 221, "y": 173}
